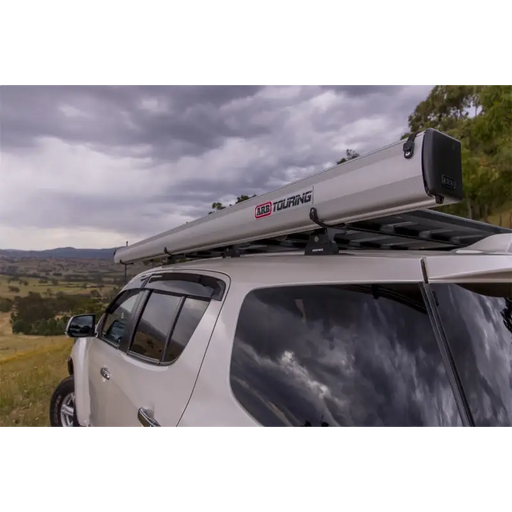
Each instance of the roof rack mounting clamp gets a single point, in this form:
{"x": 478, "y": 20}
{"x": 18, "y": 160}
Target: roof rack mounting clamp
{"x": 231, "y": 252}
{"x": 321, "y": 242}
{"x": 313, "y": 215}
{"x": 173, "y": 258}
{"x": 408, "y": 147}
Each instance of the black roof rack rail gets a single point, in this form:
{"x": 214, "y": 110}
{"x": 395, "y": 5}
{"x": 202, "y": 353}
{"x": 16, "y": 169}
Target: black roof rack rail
{"x": 422, "y": 230}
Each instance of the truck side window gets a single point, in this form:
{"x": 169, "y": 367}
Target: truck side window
{"x": 188, "y": 320}
{"x": 117, "y": 316}
{"x": 477, "y": 320}
{"x": 166, "y": 325}
{"x": 155, "y": 325}
{"x": 340, "y": 356}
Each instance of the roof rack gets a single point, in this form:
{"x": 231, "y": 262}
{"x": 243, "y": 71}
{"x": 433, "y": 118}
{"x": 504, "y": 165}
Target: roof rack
{"x": 377, "y": 201}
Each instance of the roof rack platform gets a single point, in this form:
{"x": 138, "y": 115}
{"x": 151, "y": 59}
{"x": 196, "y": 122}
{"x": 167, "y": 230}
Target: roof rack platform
{"x": 379, "y": 200}
{"x": 422, "y": 230}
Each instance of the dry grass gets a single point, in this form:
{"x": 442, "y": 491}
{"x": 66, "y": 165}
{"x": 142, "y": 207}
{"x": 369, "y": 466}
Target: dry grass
{"x": 28, "y": 381}
{"x": 20, "y": 344}
{"x": 30, "y": 369}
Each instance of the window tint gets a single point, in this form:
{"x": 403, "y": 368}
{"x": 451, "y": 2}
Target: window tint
{"x": 340, "y": 356}
{"x": 478, "y": 323}
{"x": 190, "y": 316}
{"x": 118, "y": 315}
{"x": 155, "y": 325}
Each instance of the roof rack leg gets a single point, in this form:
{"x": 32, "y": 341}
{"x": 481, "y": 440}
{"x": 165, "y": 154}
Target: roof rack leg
{"x": 322, "y": 243}
{"x": 231, "y": 252}
{"x": 173, "y": 258}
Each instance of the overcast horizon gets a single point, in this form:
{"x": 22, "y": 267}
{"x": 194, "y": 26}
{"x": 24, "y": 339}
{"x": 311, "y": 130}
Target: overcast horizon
{"x": 92, "y": 167}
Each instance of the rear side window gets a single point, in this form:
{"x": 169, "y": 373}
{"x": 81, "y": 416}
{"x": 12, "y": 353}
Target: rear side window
{"x": 477, "y": 320}
{"x": 190, "y": 315}
{"x": 155, "y": 325}
{"x": 340, "y": 356}
{"x": 166, "y": 325}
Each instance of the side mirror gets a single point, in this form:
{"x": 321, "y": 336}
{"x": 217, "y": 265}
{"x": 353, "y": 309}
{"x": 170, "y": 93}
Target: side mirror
{"x": 81, "y": 326}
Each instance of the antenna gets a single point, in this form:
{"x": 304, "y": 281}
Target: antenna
{"x": 125, "y": 268}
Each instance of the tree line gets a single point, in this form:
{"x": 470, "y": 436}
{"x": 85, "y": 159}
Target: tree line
{"x": 48, "y": 316}
{"x": 217, "y": 206}
{"x": 481, "y": 118}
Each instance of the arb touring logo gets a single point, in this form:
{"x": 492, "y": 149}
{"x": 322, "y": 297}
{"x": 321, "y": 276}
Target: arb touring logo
{"x": 302, "y": 198}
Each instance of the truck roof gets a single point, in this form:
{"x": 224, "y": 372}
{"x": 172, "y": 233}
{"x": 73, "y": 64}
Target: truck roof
{"x": 392, "y": 264}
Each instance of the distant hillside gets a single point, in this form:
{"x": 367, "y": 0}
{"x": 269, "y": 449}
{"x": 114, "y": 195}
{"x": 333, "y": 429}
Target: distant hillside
{"x": 61, "y": 252}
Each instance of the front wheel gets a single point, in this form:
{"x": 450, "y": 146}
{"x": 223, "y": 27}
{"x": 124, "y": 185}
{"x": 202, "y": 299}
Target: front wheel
{"x": 62, "y": 404}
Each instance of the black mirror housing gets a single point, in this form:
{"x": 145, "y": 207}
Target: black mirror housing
{"x": 81, "y": 326}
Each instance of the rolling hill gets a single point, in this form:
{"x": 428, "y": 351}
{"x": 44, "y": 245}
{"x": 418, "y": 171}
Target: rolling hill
{"x": 61, "y": 253}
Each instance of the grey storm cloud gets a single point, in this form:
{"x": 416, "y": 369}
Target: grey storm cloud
{"x": 174, "y": 149}
{"x": 364, "y": 90}
{"x": 120, "y": 117}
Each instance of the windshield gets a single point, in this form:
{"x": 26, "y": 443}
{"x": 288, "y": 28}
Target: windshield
{"x": 340, "y": 356}
{"x": 478, "y": 322}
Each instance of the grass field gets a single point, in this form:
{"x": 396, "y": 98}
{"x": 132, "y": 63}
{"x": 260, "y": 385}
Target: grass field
{"x": 13, "y": 344}
{"x": 28, "y": 381}
{"x": 30, "y": 369}
{"x": 35, "y": 286}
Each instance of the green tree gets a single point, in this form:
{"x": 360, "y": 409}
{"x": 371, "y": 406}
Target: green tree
{"x": 5, "y": 305}
{"x": 444, "y": 107}
{"x": 481, "y": 118}
{"x": 219, "y": 206}
{"x": 243, "y": 197}
{"x": 350, "y": 155}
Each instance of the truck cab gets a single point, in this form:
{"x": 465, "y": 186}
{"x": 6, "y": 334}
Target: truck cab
{"x": 339, "y": 300}
{"x": 364, "y": 338}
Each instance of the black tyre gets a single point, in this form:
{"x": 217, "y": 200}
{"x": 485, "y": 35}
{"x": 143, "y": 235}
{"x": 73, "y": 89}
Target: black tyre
{"x": 62, "y": 404}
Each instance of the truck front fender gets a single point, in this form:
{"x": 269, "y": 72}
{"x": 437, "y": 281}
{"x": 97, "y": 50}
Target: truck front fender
{"x": 78, "y": 367}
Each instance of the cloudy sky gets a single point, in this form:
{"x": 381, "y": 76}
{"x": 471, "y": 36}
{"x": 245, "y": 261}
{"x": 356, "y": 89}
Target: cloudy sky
{"x": 96, "y": 166}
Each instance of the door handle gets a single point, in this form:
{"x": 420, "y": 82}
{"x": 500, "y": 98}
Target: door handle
{"x": 105, "y": 373}
{"x": 146, "y": 419}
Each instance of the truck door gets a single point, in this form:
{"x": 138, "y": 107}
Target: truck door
{"x": 154, "y": 373}
{"x": 102, "y": 352}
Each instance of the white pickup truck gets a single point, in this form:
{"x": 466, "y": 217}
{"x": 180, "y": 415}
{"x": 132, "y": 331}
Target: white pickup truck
{"x": 383, "y": 313}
